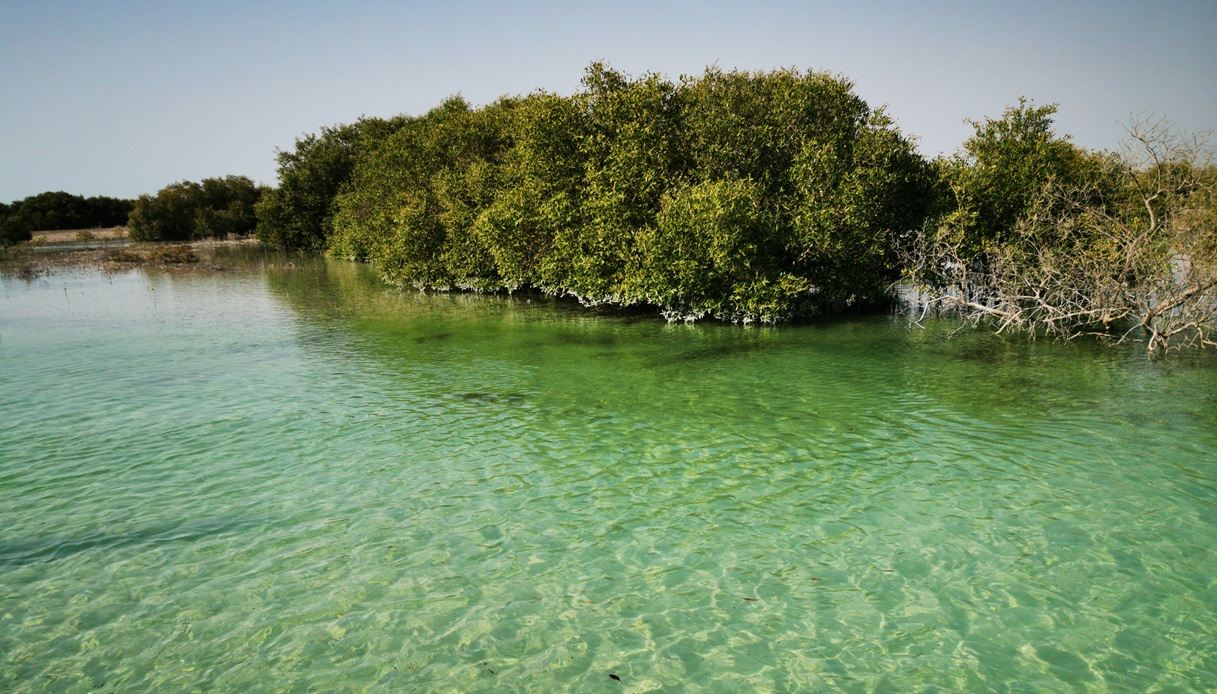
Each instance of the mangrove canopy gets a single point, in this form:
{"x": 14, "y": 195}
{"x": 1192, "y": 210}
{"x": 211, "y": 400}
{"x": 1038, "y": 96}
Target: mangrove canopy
{"x": 763, "y": 196}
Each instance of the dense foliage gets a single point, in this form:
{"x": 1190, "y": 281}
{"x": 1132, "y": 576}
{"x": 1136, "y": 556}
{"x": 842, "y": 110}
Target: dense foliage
{"x": 59, "y": 210}
{"x": 1003, "y": 169}
{"x": 745, "y": 196}
{"x": 760, "y": 197}
{"x": 213, "y": 207}
{"x": 297, "y": 215}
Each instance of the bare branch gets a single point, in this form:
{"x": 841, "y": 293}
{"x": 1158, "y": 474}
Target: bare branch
{"x": 1132, "y": 257}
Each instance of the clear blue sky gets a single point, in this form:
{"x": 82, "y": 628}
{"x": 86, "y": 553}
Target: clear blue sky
{"x": 122, "y": 98}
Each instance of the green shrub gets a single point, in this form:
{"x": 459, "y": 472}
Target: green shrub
{"x": 298, "y": 214}
{"x": 707, "y": 252}
{"x": 856, "y": 198}
{"x": 539, "y": 191}
{"x": 214, "y": 207}
{"x": 412, "y": 203}
{"x": 746, "y": 196}
{"x": 14, "y": 230}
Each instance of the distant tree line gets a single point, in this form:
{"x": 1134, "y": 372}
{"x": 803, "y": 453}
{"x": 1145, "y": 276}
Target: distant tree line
{"x": 59, "y": 210}
{"x": 184, "y": 211}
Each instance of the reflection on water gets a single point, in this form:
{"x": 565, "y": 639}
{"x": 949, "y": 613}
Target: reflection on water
{"x": 288, "y": 475}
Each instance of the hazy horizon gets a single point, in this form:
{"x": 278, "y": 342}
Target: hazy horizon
{"x": 126, "y": 98}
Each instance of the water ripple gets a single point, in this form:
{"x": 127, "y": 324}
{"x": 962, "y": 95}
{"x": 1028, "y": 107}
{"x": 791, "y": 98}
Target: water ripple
{"x": 295, "y": 479}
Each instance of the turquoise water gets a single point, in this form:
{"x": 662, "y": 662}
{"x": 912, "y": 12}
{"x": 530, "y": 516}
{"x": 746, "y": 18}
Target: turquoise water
{"x": 290, "y": 477}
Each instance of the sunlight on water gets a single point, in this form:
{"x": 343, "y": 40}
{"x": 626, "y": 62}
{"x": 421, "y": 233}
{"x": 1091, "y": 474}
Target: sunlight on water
{"x": 289, "y": 476}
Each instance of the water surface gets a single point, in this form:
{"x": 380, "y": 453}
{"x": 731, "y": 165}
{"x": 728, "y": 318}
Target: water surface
{"x": 287, "y": 476}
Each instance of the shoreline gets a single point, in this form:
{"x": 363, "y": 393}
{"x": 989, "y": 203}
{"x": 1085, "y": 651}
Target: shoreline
{"x": 31, "y": 260}
{"x": 68, "y": 236}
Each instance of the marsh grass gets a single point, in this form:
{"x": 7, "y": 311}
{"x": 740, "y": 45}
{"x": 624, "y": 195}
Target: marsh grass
{"x": 172, "y": 255}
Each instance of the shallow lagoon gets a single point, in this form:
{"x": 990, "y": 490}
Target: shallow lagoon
{"x": 287, "y": 475}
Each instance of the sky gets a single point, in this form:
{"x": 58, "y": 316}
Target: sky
{"x": 122, "y": 98}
